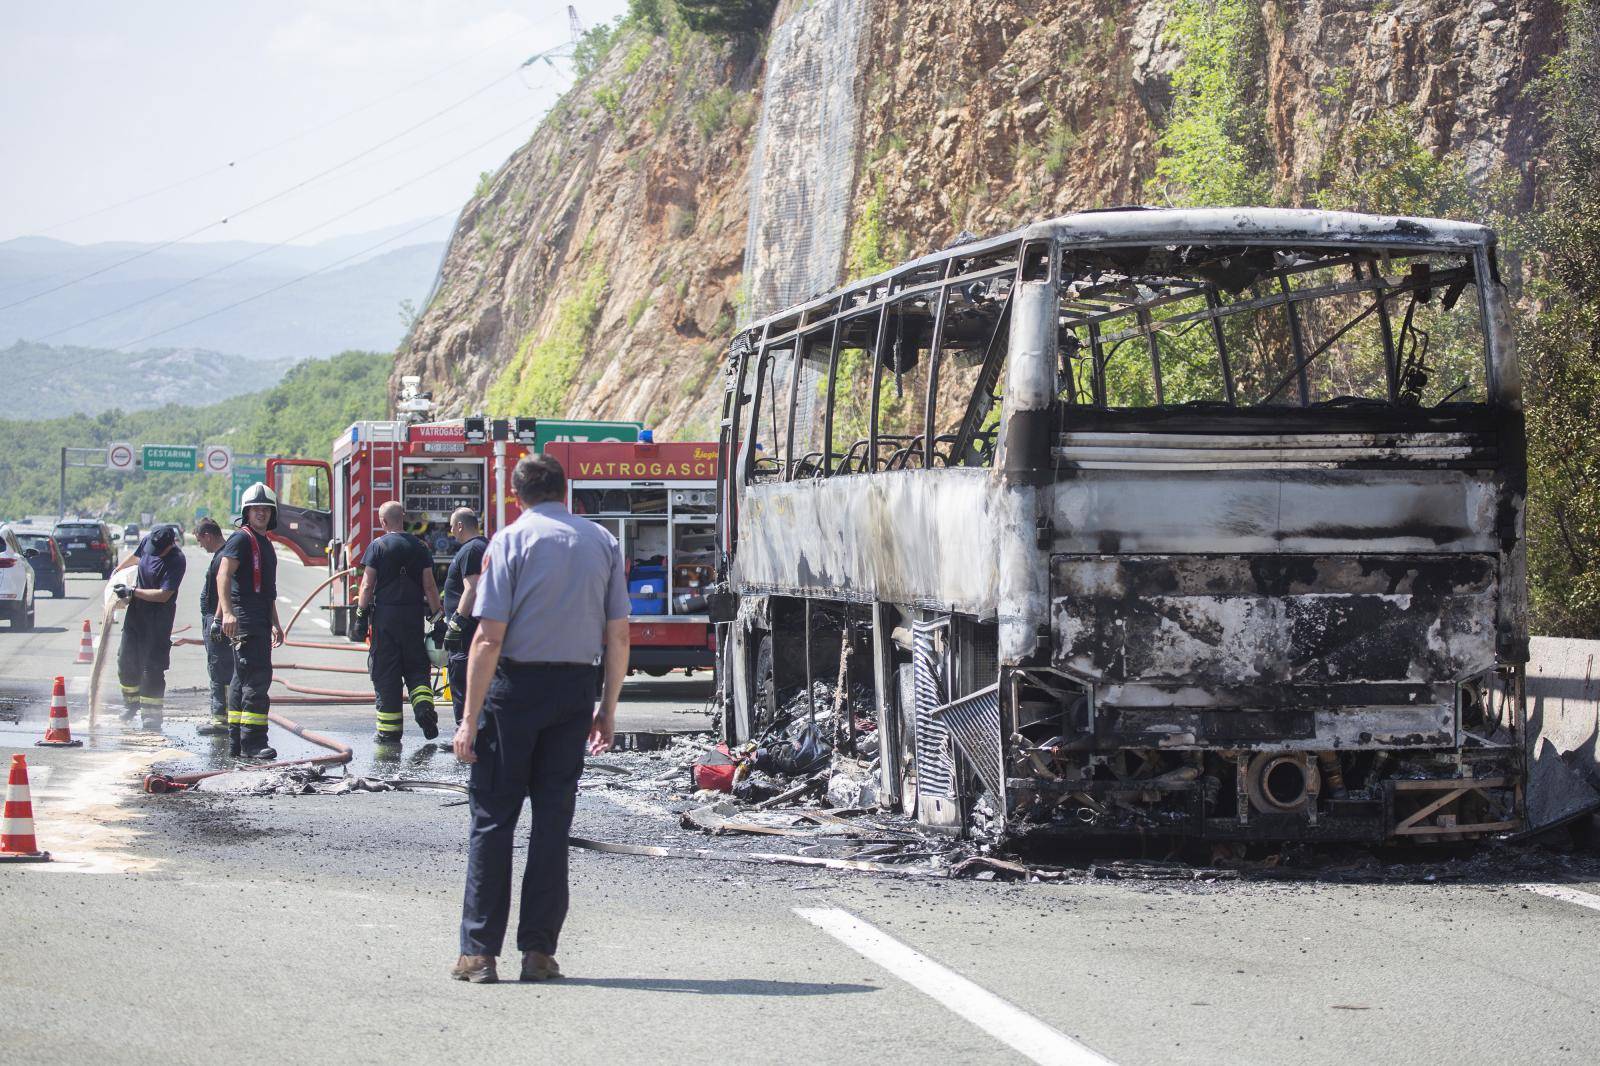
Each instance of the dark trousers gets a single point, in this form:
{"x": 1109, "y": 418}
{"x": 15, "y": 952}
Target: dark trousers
{"x": 398, "y": 663}
{"x": 248, "y": 701}
{"x": 456, "y": 670}
{"x": 219, "y": 668}
{"x": 142, "y": 659}
{"x": 530, "y": 746}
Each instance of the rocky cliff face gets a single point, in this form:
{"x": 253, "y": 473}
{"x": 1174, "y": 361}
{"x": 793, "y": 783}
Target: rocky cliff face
{"x": 596, "y": 273}
{"x": 600, "y": 271}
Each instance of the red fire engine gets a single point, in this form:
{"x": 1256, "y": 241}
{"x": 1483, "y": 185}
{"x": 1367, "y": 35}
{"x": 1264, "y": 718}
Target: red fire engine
{"x": 658, "y": 499}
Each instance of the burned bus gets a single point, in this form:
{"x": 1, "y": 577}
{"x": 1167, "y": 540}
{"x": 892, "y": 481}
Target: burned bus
{"x": 1206, "y": 523}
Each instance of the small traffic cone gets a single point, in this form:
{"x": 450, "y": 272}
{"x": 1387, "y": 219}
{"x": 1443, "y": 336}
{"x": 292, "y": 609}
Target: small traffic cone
{"x": 17, "y": 842}
{"x": 86, "y": 645}
{"x": 58, "y": 733}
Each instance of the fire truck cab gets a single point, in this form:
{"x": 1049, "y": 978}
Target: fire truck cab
{"x": 658, "y": 499}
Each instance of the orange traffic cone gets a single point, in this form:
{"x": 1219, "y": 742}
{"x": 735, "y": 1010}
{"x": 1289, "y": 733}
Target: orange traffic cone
{"x": 17, "y": 843}
{"x": 86, "y": 645}
{"x": 58, "y": 733}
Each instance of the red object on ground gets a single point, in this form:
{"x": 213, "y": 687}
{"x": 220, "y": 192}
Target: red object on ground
{"x": 58, "y": 732}
{"x": 17, "y": 842}
{"x": 86, "y": 645}
{"x": 714, "y": 769}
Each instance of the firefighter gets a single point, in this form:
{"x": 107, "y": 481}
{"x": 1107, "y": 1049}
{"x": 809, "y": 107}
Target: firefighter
{"x": 396, "y": 578}
{"x": 219, "y": 652}
{"x": 247, "y": 599}
{"x": 152, "y": 603}
{"x": 460, "y": 593}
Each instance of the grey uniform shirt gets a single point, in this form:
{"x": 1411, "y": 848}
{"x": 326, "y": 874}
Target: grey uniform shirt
{"x": 554, "y": 579}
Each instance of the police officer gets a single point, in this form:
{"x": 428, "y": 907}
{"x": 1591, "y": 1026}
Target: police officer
{"x": 460, "y": 593}
{"x": 552, "y": 597}
{"x": 219, "y": 652}
{"x": 396, "y": 578}
{"x": 247, "y": 600}
{"x": 146, "y": 647}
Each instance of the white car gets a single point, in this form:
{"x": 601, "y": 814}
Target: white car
{"x": 16, "y": 581}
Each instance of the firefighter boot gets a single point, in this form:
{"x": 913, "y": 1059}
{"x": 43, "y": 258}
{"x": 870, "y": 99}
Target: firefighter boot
{"x": 253, "y": 745}
{"x": 216, "y": 727}
{"x": 234, "y": 730}
{"x": 422, "y": 710}
{"x": 130, "y": 702}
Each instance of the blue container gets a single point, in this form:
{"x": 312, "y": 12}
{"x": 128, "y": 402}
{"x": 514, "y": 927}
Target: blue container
{"x": 647, "y": 605}
{"x": 652, "y": 586}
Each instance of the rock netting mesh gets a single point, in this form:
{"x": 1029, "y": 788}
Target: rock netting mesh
{"x": 804, "y": 162}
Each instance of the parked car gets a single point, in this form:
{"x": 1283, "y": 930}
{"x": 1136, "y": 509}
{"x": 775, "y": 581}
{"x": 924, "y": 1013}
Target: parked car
{"x": 49, "y": 569}
{"x": 86, "y": 545}
{"x": 16, "y": 580}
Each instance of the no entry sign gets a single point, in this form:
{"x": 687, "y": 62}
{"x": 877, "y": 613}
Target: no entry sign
{"x": 119, "y": 456}
{"x": 218, "y": 459}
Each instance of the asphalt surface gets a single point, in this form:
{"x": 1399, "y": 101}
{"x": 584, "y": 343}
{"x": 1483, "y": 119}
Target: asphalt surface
{"x": 208, "y": 928}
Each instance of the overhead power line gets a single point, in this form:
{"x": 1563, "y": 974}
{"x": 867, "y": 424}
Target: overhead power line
{"x": 286, "y": 284}
{"x": 152, "y": 249}
{"x": 291, "y": 239}
{"x": 273, "y": 146}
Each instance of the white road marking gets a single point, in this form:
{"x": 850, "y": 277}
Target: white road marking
{"x": 285, "y": 599}
{"x": 323, "y": 622}
{"x": 1566, "y": 895}
{"x": 1010, "y": 1025}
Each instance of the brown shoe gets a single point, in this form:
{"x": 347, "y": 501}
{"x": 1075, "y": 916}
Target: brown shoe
{"x": 537, "y": 966}
{"x": 479, "y": 969}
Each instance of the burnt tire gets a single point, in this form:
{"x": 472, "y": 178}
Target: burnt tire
{"x": 905, "y": 704}
{"x": 764, "y": 696}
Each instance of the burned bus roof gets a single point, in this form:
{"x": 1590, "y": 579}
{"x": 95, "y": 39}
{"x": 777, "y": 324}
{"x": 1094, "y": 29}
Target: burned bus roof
{"x": 1257, "y": 225}
{"x": 1212, "y": 225}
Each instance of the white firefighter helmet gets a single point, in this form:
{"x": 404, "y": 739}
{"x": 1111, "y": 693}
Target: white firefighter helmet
{"x": 258, "y": 495}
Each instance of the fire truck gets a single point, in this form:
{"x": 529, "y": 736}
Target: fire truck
{"x": 657, "y": 498}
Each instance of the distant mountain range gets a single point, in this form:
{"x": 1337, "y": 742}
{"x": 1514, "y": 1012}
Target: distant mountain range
{"x": 50, "y": 382}
{"x": 355, "y": 304}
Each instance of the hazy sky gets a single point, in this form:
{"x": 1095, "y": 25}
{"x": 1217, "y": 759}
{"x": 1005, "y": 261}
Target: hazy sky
{"x": 106, "y": 99}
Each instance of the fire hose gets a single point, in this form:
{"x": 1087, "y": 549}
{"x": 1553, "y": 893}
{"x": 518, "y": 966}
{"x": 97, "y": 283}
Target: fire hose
{"x": 339, "y": 754}
{"x": 307, "y": 601}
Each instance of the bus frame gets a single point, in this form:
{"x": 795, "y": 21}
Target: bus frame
{"x": 1270, "y": 613}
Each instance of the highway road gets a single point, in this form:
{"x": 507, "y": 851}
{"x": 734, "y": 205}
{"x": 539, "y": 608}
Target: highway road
{"x": 211, "y": 928}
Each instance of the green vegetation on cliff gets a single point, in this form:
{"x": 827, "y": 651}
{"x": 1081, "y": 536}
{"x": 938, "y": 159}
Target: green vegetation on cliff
{"x": 1214, "y": 147}
{"x": 301, "y": 415}
{"x": 1559, "y": 339}
{"x": 538, "y": 377}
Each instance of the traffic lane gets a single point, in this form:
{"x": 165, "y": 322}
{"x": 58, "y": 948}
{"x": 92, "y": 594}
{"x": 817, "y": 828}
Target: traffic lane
{"x": 1291, "y": 973}
{"x": 58, "y": 625}
{"x": 300, "y": 908}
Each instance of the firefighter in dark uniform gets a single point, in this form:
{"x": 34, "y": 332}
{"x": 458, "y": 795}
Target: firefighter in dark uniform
{"x": 219, "y": 652}
{"x": 460, "y": 593}
{"x": 396, "y": 579}
{"x": 247, "y": 599}
{"x": 146, "y": 647}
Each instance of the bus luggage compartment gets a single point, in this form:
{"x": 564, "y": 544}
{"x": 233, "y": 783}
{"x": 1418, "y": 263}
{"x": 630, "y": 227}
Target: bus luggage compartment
{"x": 1349, "y": 651}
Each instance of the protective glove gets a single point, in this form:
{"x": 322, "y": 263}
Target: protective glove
{"x": 436, "y": 629}
{"x": 363, "y": 625}
{"x": 455, "y": 636}
{"x": 122, "y": 591}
